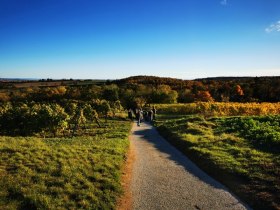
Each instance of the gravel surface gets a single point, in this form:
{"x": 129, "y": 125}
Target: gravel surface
{"x": 163, "y": 178}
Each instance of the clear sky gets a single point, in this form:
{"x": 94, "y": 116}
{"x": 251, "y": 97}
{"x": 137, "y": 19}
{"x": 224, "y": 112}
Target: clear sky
{"x": 111, "y": 39}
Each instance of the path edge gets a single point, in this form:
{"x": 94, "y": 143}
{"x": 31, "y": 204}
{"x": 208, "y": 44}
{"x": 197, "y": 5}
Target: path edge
{"x": 124, "y": 202}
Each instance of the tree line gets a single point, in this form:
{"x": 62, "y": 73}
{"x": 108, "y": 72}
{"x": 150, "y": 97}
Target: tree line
{"x": 220, "y": 89}
{"x": 141, "y": 90}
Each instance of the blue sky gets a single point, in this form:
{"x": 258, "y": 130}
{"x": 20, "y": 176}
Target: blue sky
{"x": 107, "y": 39}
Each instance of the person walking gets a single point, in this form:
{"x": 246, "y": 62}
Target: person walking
{"x": 154, "y": 112}
{"x": 138, "y": 116}
{"x": 151, "y": 114}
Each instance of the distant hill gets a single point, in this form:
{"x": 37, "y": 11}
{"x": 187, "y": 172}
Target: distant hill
{"x": 142, "y": 79}
{"x": 149, "y": 80}
{"x": 24, "y": 83}
{"x": 224, "y": 78}
{"x": 17, "y": 79}
{"x": 236, "y": 78}
{"x": 173, "y": 82}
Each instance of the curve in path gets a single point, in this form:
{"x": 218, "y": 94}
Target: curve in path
{"x": 163, "y": 178}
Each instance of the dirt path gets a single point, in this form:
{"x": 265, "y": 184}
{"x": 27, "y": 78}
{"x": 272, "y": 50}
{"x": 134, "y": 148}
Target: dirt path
{"x": 163, "y": 178}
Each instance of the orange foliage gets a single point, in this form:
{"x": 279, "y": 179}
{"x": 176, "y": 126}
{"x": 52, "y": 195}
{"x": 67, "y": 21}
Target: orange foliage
{"x": 239, "y": 90}
{"x": 204, "y": 96}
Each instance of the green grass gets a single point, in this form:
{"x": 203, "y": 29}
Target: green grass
{"x": 263, "y": 132}
{"x": 250, "y": 167}
{"x": 63, "y": 173}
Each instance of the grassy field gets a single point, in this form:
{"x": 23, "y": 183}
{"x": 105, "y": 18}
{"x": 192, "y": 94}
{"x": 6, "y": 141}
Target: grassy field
{"x": 64, "y": 173}
{"x": 241, "y": 152}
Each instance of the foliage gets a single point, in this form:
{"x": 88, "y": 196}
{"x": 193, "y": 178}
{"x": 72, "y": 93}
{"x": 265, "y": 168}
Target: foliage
{"x": 164, "y": 94}
{"x": 78, "y": 119}
{"x": 111, "y": 92}
{"x": 51, "y": 118}
{"x": 221, "y": 108}
{"x": 204, "y": 96}
{"x": 234, "y": 89}
{"x": 262, "y": 131}
{"x": 145, "y": 89}
{"x": 27, "y": 119}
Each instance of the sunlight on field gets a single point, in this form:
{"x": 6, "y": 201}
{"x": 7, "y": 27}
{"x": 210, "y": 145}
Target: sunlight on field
{"x": 63, "y": 173}
{"x": 220, "y": 108}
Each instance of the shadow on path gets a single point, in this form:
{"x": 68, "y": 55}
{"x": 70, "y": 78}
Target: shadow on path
{"x": 150, "y": 135}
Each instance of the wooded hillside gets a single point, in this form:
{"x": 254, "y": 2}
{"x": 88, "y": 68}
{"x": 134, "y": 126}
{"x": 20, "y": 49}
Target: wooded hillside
{"x": 139, "y": 90}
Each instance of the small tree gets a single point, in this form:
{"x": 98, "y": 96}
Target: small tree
{"x": 91, "y": 114}
{"x": 116, "y": 107}
{"x": 78, "y": 119}
{"x": 52, "y": 118}
{"x": 105, "y": 109}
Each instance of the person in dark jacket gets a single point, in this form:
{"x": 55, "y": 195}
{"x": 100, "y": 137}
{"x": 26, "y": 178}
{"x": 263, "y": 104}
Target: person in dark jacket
{"x": 154, "y": 112}
{"x": 139, "y": 116}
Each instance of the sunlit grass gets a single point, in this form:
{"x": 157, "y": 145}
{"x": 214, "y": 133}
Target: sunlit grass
{"x": 63, "y": 173}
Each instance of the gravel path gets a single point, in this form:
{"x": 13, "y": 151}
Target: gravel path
{"x": 163, "y": 178}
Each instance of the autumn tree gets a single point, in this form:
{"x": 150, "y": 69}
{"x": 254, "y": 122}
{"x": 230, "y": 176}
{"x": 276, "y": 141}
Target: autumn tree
{"x": 237, "y": 93}
{"x": 204, "y": 96}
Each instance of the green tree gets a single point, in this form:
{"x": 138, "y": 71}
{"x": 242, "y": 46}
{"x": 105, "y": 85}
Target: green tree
{"x": 105, "y": 109}
{"x": 91, "y": 114}
{"x": 77, "y": 119}
{"x": 164, "y": 94}
{"x": 111, "y": 92}
{"x": 116, "y": 107}
{"x": 52, "y": 118}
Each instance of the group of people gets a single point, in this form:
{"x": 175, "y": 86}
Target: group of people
{"x": 140, "y": 115}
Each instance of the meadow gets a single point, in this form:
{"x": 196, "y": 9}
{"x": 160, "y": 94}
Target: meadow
{"x": 243, "y": 151}
{"x": 80, "y": 172}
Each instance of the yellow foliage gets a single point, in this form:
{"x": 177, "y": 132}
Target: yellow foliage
{"x": 221, "y": 108}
